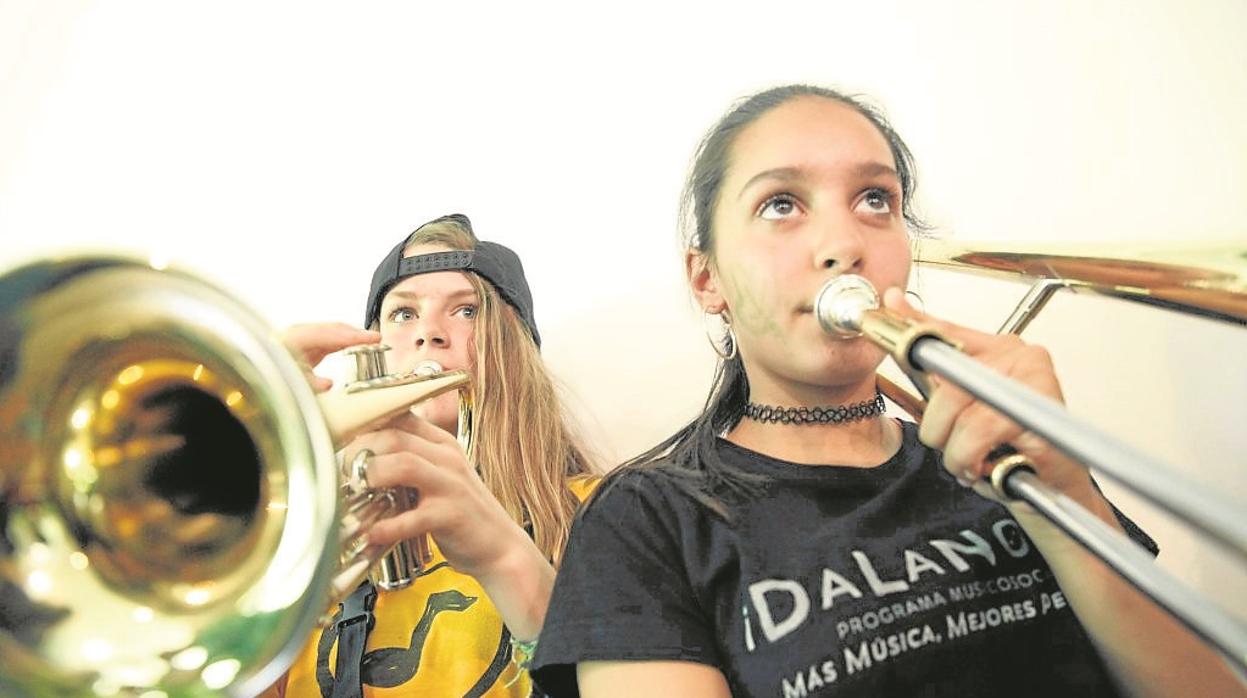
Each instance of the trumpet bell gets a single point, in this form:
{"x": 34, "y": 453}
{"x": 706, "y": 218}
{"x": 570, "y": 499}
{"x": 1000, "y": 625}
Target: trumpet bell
{"x": 164, "y": 469}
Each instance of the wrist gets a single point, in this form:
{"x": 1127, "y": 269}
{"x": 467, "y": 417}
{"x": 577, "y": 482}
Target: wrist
{"x": 1085, "y": 494}
{"x": 519, "y": 583}
{"x": 514, "y": 560}
{"x": 1047, "y": 535}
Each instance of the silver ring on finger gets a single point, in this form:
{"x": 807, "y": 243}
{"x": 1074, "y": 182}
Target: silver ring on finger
{"x": 359, "y": 469}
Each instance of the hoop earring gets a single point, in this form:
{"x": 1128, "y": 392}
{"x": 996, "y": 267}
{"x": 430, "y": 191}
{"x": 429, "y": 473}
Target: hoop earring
{"x": 731, "y": 336}
{"x": 922, "y": 305}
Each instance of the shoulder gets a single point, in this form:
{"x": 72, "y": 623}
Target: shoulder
{"x": 647, "y": 476}
{"x": 655, "y": 480}
{"x": 647, "y": 497}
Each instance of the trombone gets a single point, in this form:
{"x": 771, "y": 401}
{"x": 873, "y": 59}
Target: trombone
{"x": 1210, "y": 283}
{"x": 171, "y": 512}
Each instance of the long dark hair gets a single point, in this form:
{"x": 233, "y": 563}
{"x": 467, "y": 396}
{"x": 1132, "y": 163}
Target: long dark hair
{"x": 697, "y": 466}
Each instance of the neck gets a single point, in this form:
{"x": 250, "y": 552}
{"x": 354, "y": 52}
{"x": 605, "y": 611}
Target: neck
{"x": 861, "y": 443}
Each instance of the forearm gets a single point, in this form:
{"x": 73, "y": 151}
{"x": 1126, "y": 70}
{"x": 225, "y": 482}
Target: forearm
{"x": 1151, "y": 653}
{"x": 519, "y": 585}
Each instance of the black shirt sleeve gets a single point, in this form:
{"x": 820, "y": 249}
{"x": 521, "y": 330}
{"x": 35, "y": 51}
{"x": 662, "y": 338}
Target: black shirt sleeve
{"x": 622, "y": 592}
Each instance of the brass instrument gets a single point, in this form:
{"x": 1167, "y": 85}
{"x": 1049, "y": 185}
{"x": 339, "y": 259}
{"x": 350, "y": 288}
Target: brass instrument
{"x": 400, "y": 566}
{"x": 1211, "y": 283}
{"x": 170, "y": 514}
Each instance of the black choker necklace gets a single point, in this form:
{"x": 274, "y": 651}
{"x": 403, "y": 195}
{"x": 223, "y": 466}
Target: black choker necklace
{"x": 837, "y": 414}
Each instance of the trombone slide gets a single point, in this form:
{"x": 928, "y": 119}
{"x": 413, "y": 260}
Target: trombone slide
{"x": 847, "y": 306}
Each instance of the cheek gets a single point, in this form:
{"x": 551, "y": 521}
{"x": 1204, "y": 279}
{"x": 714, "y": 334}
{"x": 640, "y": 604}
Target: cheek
{"x": 394, "y": 337}
{"x": 467, "y": 343}
{"x": 756, "y": 272}
{"x": 897, "y": 259}
{"x": 400, "y": 344}
{"x": 759, "y": 284}
{"x": 752, "y": 295}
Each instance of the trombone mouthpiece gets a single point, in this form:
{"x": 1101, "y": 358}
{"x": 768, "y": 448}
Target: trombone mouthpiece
{"x": 841, "y": 302}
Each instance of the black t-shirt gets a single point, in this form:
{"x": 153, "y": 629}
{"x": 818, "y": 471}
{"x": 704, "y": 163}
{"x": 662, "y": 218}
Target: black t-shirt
{"x": 836, "y": 581}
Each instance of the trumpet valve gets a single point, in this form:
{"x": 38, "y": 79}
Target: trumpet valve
{"x": 369, "y": 360}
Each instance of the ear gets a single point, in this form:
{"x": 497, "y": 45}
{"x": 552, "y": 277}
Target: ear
{"x": 703, "y": 281}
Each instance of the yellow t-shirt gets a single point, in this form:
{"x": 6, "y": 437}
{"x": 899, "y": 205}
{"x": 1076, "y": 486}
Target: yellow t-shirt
{"x": 440, "y": 636}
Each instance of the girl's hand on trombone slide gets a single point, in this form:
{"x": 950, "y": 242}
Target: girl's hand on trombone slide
{"x": 966, "y": 430}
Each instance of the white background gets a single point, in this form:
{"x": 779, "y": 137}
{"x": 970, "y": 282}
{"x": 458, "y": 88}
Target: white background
{"x": 280, "y": 149}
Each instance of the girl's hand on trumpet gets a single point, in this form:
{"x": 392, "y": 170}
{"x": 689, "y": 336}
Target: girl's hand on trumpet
{"x": 967, "y": 430}
{"x": 312, "y": 342}
{"x": 471, "y": 528}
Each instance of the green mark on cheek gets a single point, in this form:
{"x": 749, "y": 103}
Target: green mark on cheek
{"x": 752, "y": 305}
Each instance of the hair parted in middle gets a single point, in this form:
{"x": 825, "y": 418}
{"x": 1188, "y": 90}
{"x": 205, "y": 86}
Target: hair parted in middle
{"x": 692, "y": 450}
{"x": 526, "y": 448}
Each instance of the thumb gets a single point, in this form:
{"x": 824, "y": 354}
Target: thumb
{"x": 969, "y": 340}
{"x": 894, "y": 299}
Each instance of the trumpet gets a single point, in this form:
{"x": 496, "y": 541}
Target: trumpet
{"x": 171, "y": 510}
{"x": 405, "y": 560}
{"x": 847, "y": 306}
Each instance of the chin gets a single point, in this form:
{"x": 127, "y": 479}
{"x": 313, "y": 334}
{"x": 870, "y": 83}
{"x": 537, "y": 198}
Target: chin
{"x": 442, "y": 411}
{"x": 851, "y": 363}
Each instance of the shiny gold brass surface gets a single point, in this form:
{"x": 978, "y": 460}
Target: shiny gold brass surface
{"x": 897, "y": 335}
{"x": 169, "y": 495}
{"x": 157, "y": 476}
{"x": 400, "y": 566}
{"x": 1210, "y": 281}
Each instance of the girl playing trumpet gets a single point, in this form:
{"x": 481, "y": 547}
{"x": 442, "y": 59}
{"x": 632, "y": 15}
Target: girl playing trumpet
{"x": 465, "y": 625}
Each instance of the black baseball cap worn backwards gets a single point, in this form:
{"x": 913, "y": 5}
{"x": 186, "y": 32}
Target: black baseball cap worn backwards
{"x": 495, "y": 263}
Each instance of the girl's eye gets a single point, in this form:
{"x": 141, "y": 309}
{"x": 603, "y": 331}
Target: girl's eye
{"x": 878, "y": 201}
{"x": 778, "y": 207}
{"x": 401, "y": 314}
{"x": 467, "y": 312}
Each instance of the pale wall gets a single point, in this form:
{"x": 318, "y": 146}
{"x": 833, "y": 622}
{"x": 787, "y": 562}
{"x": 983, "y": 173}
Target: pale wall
{"x": 279, "y": 150}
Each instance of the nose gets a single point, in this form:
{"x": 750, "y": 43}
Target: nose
{"x": 431, "y": 334}
{"x": 839, "y": 246}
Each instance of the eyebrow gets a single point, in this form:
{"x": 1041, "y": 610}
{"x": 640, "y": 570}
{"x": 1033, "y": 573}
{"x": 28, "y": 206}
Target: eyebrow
{"x": 785, "y": 174}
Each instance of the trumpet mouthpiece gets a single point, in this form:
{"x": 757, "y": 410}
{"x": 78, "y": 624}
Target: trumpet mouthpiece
{"x": 841, "y": 302}
{"x": 428, "y": 368}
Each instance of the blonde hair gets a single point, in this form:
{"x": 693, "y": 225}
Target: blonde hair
{"x": 525, "y": 448}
